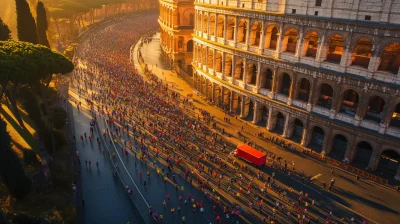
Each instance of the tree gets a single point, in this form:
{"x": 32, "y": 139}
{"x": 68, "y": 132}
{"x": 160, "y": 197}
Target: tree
{"x": 29, "y": 64}
{"x": 42, "y": 25}
{"x": 11, "y": 171}
{"x": 26, "y": 26}
{"x": 5, "y": 33}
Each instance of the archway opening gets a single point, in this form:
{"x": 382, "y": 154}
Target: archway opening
{"x": 205, "y": 24}
{"x": 263, "y": 116}
{"x": 290, "y": 42}
{"x": 395, "y": 121}
{"x": 242, "y": 30}
{"x": 375, "y": 108}
{"x": 280, "y": 123}
{"x": 249, "y": 110}
{"x": 220, "y": 26}
{"x": 212, "y": 25}
{"x": 349, "y": 102}
{"x": 230, "y": 31}
{"x": 204, "y": 56}
{"x": 311, "y": 44}
{"x": 228, "y": 67}
{"x": 239, "y": 71}
{"x": 389, "y": 163}
{"x": 298, "y": 128}
{"x": 304, "y": 90}
{"x": 325, "y": 96}
{"x": 227, "y": 99}
{"x": 252, "y": 74}
{"x": 271, "y": 38}
{"x": 363, "y": 155}
{"x": 189, "y": 46}
{"x": 339, "y": 147}
{"x": 218, "y": 62}
{"x": 210, "y": 59}
{"x": 335, "y": 49}
{"x": 317, "y": 139}
{"x": 218, "y": 95}
{"x": 362, "y": 53}
{"x": 285, "y": 84}
{"x": 390, "y": 59}
{"x": 255, "y": 35}
{"x": 266, "y": 79}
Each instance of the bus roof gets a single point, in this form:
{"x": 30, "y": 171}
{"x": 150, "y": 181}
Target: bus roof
{"x": 251, "y": 150}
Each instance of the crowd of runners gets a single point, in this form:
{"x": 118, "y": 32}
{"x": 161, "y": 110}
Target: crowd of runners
{"x": 146, "y": 119}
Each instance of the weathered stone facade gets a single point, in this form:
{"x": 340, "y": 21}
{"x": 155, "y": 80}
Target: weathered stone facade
{"x": 176, "y": 24}
{"x": 330, "y": 82}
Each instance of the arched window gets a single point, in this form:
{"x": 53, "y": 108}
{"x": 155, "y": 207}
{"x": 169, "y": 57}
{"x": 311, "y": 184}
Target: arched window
{"x": 349, "y": 102}
{"x": 220, "y": 26}
{"x": 239, "y": 71}
{"x": 212, "y": 25}
{"x": 362, "y": 53}
{"x": 335, "y": 49}
{"x": 286, "y": 82}
{"x": 231, "y": 29}
{"x": 252, "y": 74}
{"x": 375, "y": 108}
{"x": 218, "y": 62}
{"x": 390, "y": 59}
{"x": 304, "y": 90}
{"x": 266, "y": 79}
{"x": 210, "y": 58}
{"x": 189, "y": 46}
{"x": 228, "y": 66}
{"x": 325, "y": 96}
{"x": 310, "y": 45}
{"x": 271, "y": 38}
{"x": 242, "y": 30}
{"x": 290, "y": 41}
{"x": 255, "y": 35}
{"x": 205, "y": 24}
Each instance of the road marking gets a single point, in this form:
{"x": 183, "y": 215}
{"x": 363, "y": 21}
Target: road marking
{"x": 316, "y": 176}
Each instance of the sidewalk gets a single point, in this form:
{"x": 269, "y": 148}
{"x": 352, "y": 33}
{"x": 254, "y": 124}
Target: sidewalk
{"x": 349, "y": 194}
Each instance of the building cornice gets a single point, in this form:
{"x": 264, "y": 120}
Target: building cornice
{"x": 340, "y": 78}
{"x": 365, "y": 27}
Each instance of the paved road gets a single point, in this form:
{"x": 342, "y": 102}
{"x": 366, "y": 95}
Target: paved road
{"x": 349, "y": 198}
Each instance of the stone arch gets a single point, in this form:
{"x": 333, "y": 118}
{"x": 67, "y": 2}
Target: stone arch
{"x": 189, "y": 46}
{"x": 389, "y": 162}
{"x": 335, "y": 48}
{"x": 248, "y": 109}
{"x": 210, "y": 59}
{"x": 251, "y": 74}
{"x": 237, "y": 101}
{"x": 230, "y": 30}
{"x": 280, "y": 123}
{"x": 325, "y": 96}
{"x": 317, "y": 138}
{"x": 395, "y": 121}
{"x": 239, "y": 70}
{"x": 390, "y": 58}
{"x": 349, "y": 102}
{"x": 220, "y": 26}
{"x": 271, "y": 37}
{"x": 298, "y": 129}
{"x": 205, "y": 23}
{"x": 310, "y": 44}
{"x": 266, "y": 79}
{"x": 285, "y": 84}
{"x": 304, "y": 89}
{"x": 218, "y": 95}
{"x": 362, "y": 52}
{"x": 212, "y": 24}
{"x": 228, "y": 66}
{"x": 363, "y": 154}
{"x": 375, "y": 108}
{"x": 242, "y": 31}
{"x": 290, "y": 39}
{"x": 255, "y": 34}
{"x": 263, "y": 113}
{"x": 339, "y": 146}
{"x": 204, "y": 56}
{"x": 227, "y": 94}
{"x": 218, "y": 62}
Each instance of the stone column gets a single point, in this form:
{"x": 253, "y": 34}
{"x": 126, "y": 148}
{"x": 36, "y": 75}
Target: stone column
{"x": 255, "y": 113}
{"x": 361, "y": 110}
{"x": 225, "y": 28}
{"x": 242, "y": 106}
{"x": 233, "y": 68}
{"x": 274, "y": 82}
{"x": 215, "y": 26}
{"x": 213, "y": 91}
{"x": 327, "y": 141}
{"x": 286, "y": 130}
{"x": 235, "y": 31}
{"x": 244, "y": 72}
{"x": 311, "y": 95}
{"x": 279, "y": 43}
{"x": 222, "y": 96}
{"x": 208, "y": 26}
{"x": 206, "y": 61}
{"x": 321, "y": 50}
{"x": 374, "y": 61}
{"x": 351, "y": 151}
{"x": 214, "y": 61}
{"x": 386, "y": 116}
{"x": 248, "y": 34}
{"x": 270, "y": 119}
{"x": 299, "y": 45}
{"x": 232, "y": 101}
{"x": 336, "y": 102}
{"x": 375, "y": 159}
{"x": 262, "y": 38}
{"x": 223, "y": 55}
{"x": 306, "y": 134}
{"x": 206, "y": 88}
{"x": 293, "y": 88}
{"x": 258, "y": 77}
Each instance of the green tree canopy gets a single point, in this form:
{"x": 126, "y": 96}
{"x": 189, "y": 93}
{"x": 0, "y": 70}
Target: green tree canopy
{"x": 5, "y": 32}
{"x": 42, "y": 24}
{"x": 26, "y": 26}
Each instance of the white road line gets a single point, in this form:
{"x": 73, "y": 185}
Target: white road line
{"x": 316, "y": 176}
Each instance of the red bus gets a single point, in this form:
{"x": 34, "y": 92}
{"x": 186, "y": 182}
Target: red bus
{"x": 251, "y": 154}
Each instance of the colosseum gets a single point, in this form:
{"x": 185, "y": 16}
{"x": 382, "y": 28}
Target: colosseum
{"x": 321, "y": 73}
